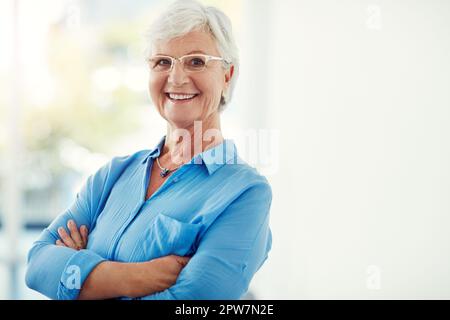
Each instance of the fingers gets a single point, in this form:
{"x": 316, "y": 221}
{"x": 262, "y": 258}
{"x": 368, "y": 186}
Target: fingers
{"x": 84, "y": 234}
{"x": 75, "y": 234}
{"x": 60, "y": 243}
{"x": 183, "y": 260}
{"x": 75, "y": 239}
{"x": 66, "y": 239}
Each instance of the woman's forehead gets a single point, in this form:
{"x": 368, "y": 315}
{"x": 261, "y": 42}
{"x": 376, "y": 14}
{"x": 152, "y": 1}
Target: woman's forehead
{"x": 192, "y": 42}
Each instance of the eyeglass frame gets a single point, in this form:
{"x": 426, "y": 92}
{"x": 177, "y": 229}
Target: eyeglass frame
{"x": 173, "y": 59}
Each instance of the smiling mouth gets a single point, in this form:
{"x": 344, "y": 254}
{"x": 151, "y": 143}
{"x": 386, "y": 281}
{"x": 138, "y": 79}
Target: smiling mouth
{"x": 175, "y": 97}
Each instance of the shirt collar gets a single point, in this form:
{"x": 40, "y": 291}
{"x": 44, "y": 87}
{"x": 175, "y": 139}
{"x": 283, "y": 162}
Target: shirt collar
{"x": 218, "y": 156}
{"x": 154, "y": 153}
{"x": 212, "y": 159}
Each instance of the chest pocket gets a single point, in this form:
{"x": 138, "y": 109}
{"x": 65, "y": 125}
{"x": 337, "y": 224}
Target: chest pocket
{"x": 170, "y": 236}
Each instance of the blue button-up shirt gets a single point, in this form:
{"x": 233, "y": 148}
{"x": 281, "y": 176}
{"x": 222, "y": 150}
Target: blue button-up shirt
{"x": 214, "y": 208}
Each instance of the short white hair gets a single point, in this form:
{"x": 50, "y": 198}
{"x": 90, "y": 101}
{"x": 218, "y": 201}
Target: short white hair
{"x": 184, "y": 16}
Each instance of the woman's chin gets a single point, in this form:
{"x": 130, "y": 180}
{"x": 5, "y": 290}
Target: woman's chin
{"x": 180, "y": 118}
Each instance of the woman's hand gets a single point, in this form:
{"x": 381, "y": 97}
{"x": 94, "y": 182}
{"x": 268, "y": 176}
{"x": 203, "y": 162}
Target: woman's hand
{"x": 111, "y": 279}
{"x": 156, "y": 275}
{"x": 75, "y": 239}
{"x": 167, "y": 270}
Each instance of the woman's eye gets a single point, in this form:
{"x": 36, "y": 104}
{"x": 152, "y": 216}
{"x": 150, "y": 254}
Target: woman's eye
{"x": 196, "y": 62}
{"x": 163, "y": 62}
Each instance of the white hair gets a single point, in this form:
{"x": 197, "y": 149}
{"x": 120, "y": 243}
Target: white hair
{"x": 184, "y": 16}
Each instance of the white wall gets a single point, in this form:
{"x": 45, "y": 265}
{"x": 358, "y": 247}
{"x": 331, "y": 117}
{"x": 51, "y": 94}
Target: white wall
{"x": 360, "y": 93}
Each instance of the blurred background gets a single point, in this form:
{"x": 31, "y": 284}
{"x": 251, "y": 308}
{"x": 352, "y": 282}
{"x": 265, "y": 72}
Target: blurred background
{"x": 345, "y": 104}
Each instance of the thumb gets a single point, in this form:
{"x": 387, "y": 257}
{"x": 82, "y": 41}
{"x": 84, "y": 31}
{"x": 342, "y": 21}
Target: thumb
{"x": 183, "y": 260}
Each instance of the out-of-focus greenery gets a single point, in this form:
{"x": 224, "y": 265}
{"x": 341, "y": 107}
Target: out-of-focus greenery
{"x": 75, "y": 113}
{"x": 89, "y": 117}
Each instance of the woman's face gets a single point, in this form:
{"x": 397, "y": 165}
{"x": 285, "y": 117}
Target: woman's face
{"x": 207, "y": 85}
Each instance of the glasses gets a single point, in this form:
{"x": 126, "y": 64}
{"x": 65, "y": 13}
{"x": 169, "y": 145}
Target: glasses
{"x": 190, "y": 62}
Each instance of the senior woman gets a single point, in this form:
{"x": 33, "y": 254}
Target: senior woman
{"x": 186, "y": 220}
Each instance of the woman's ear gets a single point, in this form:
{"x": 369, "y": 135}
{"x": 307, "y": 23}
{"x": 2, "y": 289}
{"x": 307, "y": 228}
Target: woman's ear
{"x": 229, "y": 75}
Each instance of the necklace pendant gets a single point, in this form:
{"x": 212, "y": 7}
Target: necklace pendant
{"x": 164, "y": 172}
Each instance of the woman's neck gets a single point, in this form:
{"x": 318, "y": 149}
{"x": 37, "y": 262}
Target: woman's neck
{"x": 182, "y": 144}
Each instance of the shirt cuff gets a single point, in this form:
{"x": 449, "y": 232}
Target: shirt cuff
{"x": 75, "y": 273}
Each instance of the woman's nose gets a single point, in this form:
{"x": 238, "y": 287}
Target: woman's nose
{"x": 177, "y": 75}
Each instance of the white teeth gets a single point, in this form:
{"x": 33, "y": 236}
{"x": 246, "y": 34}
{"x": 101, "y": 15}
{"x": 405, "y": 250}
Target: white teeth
{"x": 181, "y": 96}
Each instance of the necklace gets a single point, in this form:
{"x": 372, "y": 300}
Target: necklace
{"x": 164, "y": 171}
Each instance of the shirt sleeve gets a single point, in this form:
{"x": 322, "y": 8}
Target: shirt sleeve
{"x": 59, "y": 272}
{"x": 231, "y": 251}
